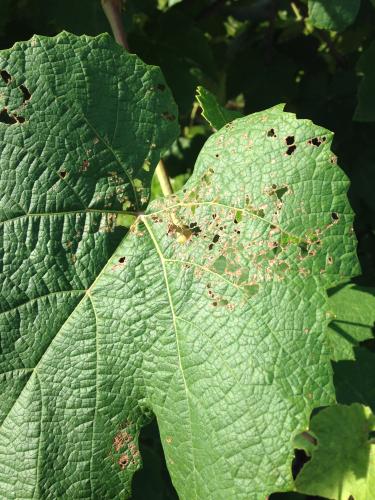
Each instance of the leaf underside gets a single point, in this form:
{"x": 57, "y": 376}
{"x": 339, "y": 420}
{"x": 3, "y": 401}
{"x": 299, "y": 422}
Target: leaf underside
{"x": 210, "y": 313}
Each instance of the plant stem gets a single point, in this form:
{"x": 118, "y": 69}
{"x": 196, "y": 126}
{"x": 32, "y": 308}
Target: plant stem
{"x": 112, "y": 9}
{"x": 296, "y": 11}
{"x": 163, "y": 179}
{"x": 309, "y": 438}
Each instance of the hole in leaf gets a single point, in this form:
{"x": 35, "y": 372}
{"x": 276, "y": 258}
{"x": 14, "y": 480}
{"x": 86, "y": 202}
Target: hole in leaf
{"x": 281, "y": 191}
{"x": 122, "y": 260}
{"x": 62, "y": 174}
{"x": 5, "y": 117}
{"x": 220, "y": 264}
{"x": 303, "y": 248}
{"x": 210, "y": 246}
{"x": 251, "y": 290}
{"x": 153, "y": 477}
{"x": 335, "y": 216}
{"x": 216, "y": 238}
{"x": 20, "y": 119}
{"x": 5, "y": 76}
{"x": 300, "y": 459}
{"x": 25, "y": 92}
{"x": 271, "y": 133}
{"x": 238, "y": 217}
{"x": 289, "y": 140}
{"x": 291, "y": 150}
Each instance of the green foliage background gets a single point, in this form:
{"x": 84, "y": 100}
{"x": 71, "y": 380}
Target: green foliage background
{"x": 251, "y": 54}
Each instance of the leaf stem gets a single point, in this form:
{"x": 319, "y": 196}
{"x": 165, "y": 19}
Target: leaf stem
{"x": 163, "y": 179}
{"x": 112, "y": 9}
{"x": 296, "y": 11}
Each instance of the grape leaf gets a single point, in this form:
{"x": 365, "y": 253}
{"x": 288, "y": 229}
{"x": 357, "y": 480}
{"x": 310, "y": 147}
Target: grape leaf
{"x": 211, "y": 313}
{"x": 342, "y": 465}
{"x": 352, "y": 308}
{"x": 82, "y": 126}
{"x": 334, "y": 15}
{"x": 365, "y": 110}
{"x": 216, "y": 115}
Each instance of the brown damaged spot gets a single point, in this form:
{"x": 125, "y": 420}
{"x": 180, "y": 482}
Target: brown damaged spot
{"x": 124, "y": 444}
{"x": 123, "y": 461}
{"x": 120, "y": 264}
{"x": 333, "y": 160}
{"x": 168, "y": 116}
{"x": 85, "y": 165}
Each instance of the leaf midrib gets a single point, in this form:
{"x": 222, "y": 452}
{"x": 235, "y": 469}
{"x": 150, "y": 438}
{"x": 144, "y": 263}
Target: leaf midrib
{"x": 174, "y": 319}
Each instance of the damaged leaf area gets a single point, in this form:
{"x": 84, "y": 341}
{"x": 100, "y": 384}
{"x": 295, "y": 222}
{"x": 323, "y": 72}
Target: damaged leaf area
{"x": 234, "y": 351}
{"x": 210, "y": 314}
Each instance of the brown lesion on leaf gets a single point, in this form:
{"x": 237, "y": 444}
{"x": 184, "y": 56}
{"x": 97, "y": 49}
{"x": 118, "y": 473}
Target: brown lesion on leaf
{"x": 120, "y": 264}
{"x": 123, "y": 461}
{"x": 168, "y": 116}
{"x": 124, "y": 444}
{"x": 85, "y": 165}
{"x": 333, "y": 159}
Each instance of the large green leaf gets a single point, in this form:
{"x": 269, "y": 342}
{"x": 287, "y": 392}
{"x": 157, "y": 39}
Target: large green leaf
{"x": 343, "y": 463}
{"x": 352, "y": 309}
{"x": 82, "y": 126}
{"x": 212, "y": 311}
{"x": 335, "y": 15}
